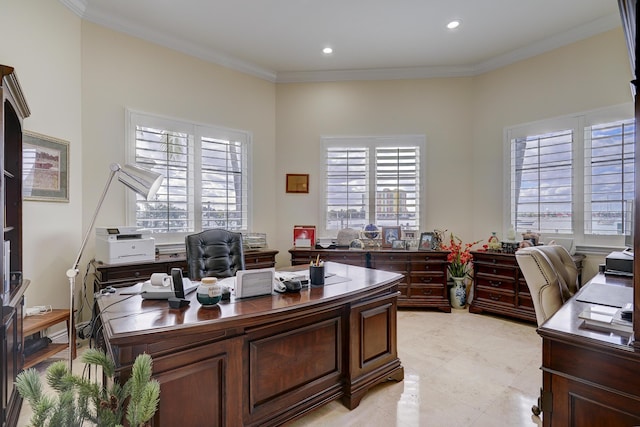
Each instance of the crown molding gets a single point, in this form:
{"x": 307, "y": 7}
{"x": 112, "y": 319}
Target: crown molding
{"x": 126, "y": 26}
{"x": 76, "y": 6}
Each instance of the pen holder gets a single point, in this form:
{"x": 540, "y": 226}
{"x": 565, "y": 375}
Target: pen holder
{"x": 316, "y": 275}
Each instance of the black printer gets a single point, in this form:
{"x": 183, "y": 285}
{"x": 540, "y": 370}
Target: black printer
{"x": 620, "y": 263}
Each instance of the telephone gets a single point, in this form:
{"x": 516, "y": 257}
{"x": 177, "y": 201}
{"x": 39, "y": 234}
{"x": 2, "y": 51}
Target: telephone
{"x": 282, "y": 286}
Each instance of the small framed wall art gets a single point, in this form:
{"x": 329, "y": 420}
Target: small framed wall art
{"x": 297, "y": 183}
{"x": 45, "y": 168}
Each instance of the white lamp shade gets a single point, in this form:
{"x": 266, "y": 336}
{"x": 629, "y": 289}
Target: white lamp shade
{"x": 142, "y": 181}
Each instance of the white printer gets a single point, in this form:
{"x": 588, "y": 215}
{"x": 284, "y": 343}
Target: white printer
{"x": 122, "y": 244}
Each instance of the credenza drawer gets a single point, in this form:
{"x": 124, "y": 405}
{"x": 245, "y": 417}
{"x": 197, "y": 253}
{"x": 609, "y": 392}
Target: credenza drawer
{"x": 425, "y": 291}
{"x": 506, "y": 271}
{"x": 495, "y": 282}
{"x": 496, "y": 296}
{"x": 428, "y": 278}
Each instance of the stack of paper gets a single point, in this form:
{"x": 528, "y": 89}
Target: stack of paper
{"x": 605, "y": 318}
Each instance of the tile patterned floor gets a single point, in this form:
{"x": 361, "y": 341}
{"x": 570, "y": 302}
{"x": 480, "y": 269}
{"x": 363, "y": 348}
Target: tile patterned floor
{"x": 461, "y": 369}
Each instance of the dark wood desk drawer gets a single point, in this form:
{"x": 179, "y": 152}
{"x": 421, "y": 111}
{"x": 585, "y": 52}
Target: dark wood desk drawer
{"x": 259, "y": 259}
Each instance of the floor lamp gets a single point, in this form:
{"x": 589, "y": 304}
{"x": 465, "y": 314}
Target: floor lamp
{"x": 143, "y": 182}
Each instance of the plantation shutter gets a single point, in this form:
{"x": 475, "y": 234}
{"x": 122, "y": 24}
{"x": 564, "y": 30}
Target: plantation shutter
{"x": 224, "y": 186}
{"x": 169, "y": 153}
{"x": 347, "y": 187}
{"x": 541, "y": 182}
{"x": 609, "y": 177}
{"x": 397, "y": 186}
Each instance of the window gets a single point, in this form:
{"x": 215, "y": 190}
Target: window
{"x": 206, "y": 181}
{"x": 372, "y": 180}
{"x": 574, "y": 176}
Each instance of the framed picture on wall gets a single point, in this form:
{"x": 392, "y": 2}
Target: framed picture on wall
{"x": 297, "y": 183}
{"x": 45, "y": 168}
{"x": 389, "y": 234}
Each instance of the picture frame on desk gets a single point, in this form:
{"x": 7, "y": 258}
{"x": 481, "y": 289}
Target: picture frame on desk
{"x": 427, "y": 241}
{"x": 398, "y": 244}
{"x": 389, "y": 234}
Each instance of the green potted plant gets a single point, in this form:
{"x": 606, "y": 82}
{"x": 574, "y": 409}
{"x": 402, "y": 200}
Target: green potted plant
{"x": 81, "y": 401}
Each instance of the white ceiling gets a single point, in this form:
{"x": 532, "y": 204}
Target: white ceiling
{"x": 281, "y": 40}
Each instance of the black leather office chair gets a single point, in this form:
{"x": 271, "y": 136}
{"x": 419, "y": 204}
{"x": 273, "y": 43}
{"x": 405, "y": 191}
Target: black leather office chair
{"x": 214, "y": 253}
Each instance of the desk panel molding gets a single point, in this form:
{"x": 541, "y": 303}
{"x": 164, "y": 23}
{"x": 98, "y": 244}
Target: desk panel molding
{"x": 261, "y": 361}
{"x": 589, "y": 378}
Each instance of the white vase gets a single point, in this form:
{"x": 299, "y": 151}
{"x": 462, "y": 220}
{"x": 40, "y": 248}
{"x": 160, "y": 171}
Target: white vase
{"x": 458, "y": 293}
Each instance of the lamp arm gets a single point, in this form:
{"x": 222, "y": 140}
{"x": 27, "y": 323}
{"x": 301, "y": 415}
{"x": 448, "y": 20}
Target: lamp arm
{"x": 74, "y": 269}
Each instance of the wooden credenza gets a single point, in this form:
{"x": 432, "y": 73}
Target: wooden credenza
{"x": 425, "y": 272}
{"x": 119, "y": 275}
{"x": 499, "y": 286}
{"x": 590, "y": 378}
{"x": 265, "y": 360}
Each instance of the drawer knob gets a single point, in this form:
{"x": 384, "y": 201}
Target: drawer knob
{"x": 495, "y": 297}
{"x": 137, "y": 274}
{"x": 495, "y": 284}
{"x": 427, "y": 291}
{"x": 495, "y": 271}
{"x": 427, "y": 279}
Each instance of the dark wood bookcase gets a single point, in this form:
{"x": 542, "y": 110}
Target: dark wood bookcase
{"x": 13, "y": 110}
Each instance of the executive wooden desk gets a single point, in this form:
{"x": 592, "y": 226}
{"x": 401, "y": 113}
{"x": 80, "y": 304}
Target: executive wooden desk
{"x": 590, "y": 378}
{"x": 265, "y": 360}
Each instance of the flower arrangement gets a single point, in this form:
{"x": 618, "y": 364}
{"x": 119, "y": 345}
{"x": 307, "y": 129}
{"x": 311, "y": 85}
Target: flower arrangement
{"x": 459, "y": 255}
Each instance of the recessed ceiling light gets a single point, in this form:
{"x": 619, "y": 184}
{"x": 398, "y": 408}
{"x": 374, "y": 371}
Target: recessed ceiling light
{"x": 327, "y": 51}
{"x": 454, "y": 24}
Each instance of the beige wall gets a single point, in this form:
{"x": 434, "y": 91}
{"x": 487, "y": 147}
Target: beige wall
{"x": 587, "y": 75}
{"x": 438, "y": 108}
{"x": 463, "y": 120}
{"x": 119, "y": 71}
{"x": 41, "y": 40}
{"x": 79, "y": 78}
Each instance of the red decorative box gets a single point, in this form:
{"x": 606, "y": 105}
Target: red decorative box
{"x": 304, "y": 236}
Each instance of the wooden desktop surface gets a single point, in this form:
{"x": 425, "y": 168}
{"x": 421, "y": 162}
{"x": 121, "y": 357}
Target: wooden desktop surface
{"x": 590, "y": 378}
{"x": 263, "y": 360}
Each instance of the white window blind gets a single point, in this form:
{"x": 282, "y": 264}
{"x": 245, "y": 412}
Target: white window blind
{"x": 206, "y": 172}
{"x": 573, "y": 176}
{"x": 609, "y": 177}
{"x": 542, "y": 182}
{"x": 397, "y": 186}
{"x": 168, "y": 153}
{"x": 347, "y": 187}
{"x": 372, "y": 180}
